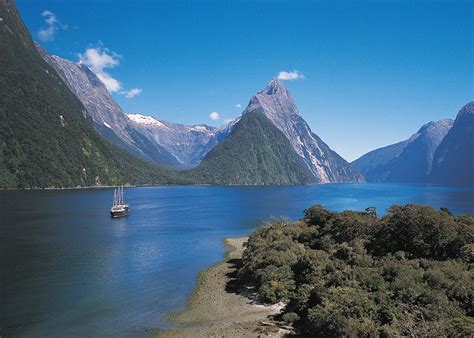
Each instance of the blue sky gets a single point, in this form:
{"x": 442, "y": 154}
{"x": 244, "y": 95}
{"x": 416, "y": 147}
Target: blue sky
{"x": 374, "y": 72}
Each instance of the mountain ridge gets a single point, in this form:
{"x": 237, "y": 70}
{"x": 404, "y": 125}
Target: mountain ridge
{"x": 166, "y": 143}
{"x": 453, "y": 161}
{"x": 109, "y": 118}
{"x": 189, "y": 144}
{"x": 46, "y": 135}
{"x": 408, "y": 161}
{"x": 277, "y": 104}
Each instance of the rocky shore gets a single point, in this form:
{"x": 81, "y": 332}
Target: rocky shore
{"x": 217, "y": 309}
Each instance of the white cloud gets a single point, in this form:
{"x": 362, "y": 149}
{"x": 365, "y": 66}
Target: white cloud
{"x": 52, "y": 26}
{"x": 238, "y": 106}
{"x": 133, "y": 93}
{"x": 214, "y": 116}
{"x": 98, "y": 59}
{"x": 294, "y": 75}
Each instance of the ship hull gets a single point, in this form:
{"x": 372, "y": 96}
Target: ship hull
{"x": 119, "y": 213}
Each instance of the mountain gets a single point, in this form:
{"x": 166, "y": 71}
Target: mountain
{"x": 188, "y": 144}
{"x": 46, "y": 135}
{"x": 408, "y": 161}
{"x": 326, "y": 165}
{"x": 109, "y": 119}
{"x": 373, "y": 162}
{"x": 161, "y": 142}
{"x": 255, "y": 153}
{"x": 453, "y": 161}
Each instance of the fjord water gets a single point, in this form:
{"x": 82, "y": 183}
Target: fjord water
{"x": 68, "y": 269}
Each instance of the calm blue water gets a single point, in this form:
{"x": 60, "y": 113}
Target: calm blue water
{"x": 68, "y": 269}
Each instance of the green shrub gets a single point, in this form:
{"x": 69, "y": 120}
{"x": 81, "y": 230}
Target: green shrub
{"x": 353, "y": 274}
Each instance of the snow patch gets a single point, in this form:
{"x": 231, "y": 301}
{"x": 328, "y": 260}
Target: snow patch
{"x": 145, "y": 120}
{"x": 198, "y": 128}
{"x": 107, "y": 125}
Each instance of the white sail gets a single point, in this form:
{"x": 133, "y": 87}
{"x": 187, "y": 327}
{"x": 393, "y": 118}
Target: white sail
{"x": 119, "y": 208}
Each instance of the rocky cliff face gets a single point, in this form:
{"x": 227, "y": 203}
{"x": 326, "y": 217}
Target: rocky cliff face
{"x": 453, "y": 161}
{"x": 408, "y": 161}
{"x": 109, "y": 119}
{"x": 92, "y": 93}
{"x": 326, "y": 165}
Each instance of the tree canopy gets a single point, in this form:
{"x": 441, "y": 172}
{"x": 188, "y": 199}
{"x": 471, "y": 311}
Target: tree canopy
{"x": 352, "y": 273}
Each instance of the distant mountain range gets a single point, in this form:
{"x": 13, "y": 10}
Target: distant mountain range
{"x": 408, "y": 161}
{"x": 187, "y": 144}
{"x": 183, "y": 146}
{"x": 441, "y": 152}
{"x": 453, "y": 161}
{"x": 311, "y": 160}
{"x": 60, "y": 127}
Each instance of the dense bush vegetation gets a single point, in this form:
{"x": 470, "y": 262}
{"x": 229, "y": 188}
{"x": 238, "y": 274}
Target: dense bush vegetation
{"x": 352, "y": 273}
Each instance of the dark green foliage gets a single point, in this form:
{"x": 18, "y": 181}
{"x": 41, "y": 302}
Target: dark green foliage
{"x": 46, "y": 137}
{"x": 423, "y": 232}
{"x": 353, "y": 274}
{"x": 256, "y": 152}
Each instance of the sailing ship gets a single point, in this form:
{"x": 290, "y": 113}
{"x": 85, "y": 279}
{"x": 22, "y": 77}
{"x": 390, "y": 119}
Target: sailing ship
{"x": 119, "y": 207}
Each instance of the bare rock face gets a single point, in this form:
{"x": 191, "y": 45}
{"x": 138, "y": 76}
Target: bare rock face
{"x": 109, "y": 119}
{"x": 327, "y": 166}
{"x": 92, "y": 93}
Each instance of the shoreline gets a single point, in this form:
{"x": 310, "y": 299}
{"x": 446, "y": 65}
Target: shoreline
{"x": 92, "y": 187}
{"x": 215, "y": 308}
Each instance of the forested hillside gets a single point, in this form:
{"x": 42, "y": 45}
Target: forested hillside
{"x": 46, "y": 136}
{"x": 256, "y": 152}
